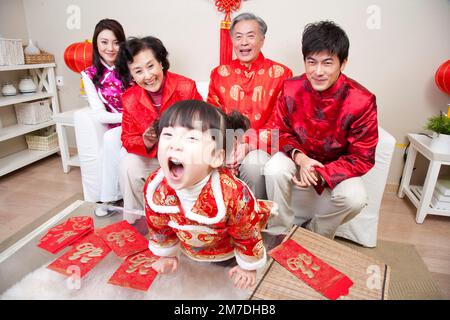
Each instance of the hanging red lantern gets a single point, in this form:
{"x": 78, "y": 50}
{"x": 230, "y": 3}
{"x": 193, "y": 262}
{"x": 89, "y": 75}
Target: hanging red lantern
{"x": 78, "y": 56}
{"x": 442, "y": 77}
{"x": 226, "y": 47}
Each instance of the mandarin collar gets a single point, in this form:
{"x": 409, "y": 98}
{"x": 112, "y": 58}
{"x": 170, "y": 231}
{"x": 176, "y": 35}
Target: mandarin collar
{"x": 212, "y": 213}
{"x": 255, "y": 65}
{"x": 144, "y": 96}
{"x": 160, "y": 90}
{"x": 110, "y": 68}
{"x": 331, "y": 91}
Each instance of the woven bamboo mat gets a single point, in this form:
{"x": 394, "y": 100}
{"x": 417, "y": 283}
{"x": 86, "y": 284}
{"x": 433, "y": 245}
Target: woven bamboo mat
{"x": 278, "y": 283}
{"x": 409, "y": 278}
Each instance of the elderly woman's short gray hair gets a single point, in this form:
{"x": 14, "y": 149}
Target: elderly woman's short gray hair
{"x": 249, "y": 16}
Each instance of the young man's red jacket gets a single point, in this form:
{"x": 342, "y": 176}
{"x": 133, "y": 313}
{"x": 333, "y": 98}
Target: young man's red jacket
{"x": 139, "y": 112}
{"x": 337, "y": 127}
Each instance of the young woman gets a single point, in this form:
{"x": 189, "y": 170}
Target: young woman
{"x": 195, "y": 206}
{"x": 143, "y": 65}
{"x": 103, "y": 89}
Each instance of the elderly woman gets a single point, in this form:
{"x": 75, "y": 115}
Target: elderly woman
{"x": 143, "y": 64}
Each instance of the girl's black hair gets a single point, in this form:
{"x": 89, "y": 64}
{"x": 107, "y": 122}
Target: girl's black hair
{"x": 197, "y": 114}
{"x": 130, "y": 48}
{"x": 117, "y": 29}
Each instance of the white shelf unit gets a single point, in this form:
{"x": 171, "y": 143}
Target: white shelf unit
{"x": 43, "y": 76}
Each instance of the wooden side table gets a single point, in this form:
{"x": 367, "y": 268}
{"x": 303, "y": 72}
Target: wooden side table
{"x": 421, "y": 144}
{"x": 64, "y": 120}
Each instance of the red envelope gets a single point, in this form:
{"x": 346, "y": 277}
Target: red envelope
{"x": 63, "y": 235}
{"x": 85, "y": 254}
{"x": 123, "y": 239}
{"x": 313, "y": 271}
{"x": 136, "y": 272}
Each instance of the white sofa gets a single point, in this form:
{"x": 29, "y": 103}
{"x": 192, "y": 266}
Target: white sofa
{"x": 89, "y": 138}
{"x": 362, "y": 229}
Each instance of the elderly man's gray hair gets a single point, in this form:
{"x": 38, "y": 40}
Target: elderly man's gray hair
{"x": 249, "y": 16}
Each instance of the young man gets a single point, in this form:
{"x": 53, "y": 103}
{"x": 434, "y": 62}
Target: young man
{"x": 328, "y": 135}
{"x": 250, "y": 84}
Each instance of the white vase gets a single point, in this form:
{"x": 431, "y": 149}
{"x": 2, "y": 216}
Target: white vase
{"x": 8, "y": 89}
{"x": 31, "y": 48}
{"x": 440, "y": 143}
{"x": 27, "y": 85}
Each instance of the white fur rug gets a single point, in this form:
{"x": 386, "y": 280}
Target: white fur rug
{"x": 193, "y": 280}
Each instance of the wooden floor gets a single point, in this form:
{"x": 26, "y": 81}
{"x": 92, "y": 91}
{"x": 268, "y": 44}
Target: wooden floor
{"x": 30, "y": 192}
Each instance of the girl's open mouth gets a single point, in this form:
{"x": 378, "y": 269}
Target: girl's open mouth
{"x": 176, "y": 168}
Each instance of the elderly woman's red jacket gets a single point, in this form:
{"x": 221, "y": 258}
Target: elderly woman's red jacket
{"x": 337, "y": 127}
{"x": 139, "y": 112}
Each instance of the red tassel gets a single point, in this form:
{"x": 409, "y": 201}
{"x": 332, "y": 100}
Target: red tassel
{"x": 226, "y": 46}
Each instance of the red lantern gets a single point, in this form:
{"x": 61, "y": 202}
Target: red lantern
{"x": 78, "y": 56}
{"x": 442, "y": 77}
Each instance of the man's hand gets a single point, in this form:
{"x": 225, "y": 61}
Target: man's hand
{"x": 150, "y": 137}
{"x": 308, "y": 174}
{"x": 166, "y": 265}
{"x": 243, "y": 278}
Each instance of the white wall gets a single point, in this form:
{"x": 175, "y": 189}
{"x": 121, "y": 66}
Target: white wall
{"x": 12, "y": 20}
{"x": 397, "y": 61}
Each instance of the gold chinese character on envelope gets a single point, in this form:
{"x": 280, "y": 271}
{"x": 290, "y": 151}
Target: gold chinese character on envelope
{"x": 67, "y": 233}
{"x": 303, "y": 262}
{"x": 123, "y": 239}
{"x": 85, "y": 254}
{"x": 136, "y": 272}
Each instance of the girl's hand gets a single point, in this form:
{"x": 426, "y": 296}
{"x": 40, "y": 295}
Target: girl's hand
{"x": 165, "y": 265}
{"x": 240, "y": 150}
{"x": 243, "y": 278}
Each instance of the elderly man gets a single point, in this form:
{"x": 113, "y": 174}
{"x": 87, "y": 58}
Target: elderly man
{"x": 328, "y": 135}
{"x": 250, "y": 84}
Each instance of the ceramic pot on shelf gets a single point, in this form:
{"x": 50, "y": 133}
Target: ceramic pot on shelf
{"x": 8, "y": 89}
{"x": 31, "y": 48}
{"x": 27, "y": 85}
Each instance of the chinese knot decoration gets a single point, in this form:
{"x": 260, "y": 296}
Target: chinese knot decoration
{"x": 226, "y": 48}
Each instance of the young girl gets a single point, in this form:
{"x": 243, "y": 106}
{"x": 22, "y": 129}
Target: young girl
{"x": 103, "y": 89}
{"x": 144, "y": 65}
{"x": 195, "y": 206}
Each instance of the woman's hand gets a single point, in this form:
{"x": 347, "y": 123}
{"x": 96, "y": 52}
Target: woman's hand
{"x": 308, "y": 174}
{"x": 166, "y": 265}
{"x": 243, "y": 278}
{"x": 150, "y": 137}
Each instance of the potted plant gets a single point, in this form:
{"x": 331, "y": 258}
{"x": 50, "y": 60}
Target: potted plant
{"x": 440, "y": 125}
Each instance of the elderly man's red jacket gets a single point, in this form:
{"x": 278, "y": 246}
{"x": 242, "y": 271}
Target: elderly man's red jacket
{"x": 337, "y": 127}
{"x": 252, "y": 91}
{"x": 139, "y": 112}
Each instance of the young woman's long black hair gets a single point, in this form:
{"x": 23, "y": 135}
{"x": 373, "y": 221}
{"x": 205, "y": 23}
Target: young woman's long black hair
{"x": 116, "y": 28}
